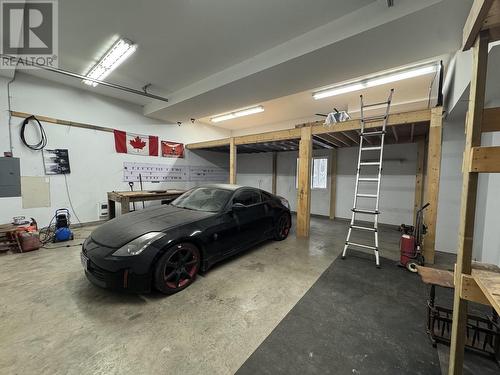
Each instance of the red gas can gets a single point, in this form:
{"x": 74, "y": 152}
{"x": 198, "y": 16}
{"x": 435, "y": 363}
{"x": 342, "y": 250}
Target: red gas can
{"x": 407, "y": 248}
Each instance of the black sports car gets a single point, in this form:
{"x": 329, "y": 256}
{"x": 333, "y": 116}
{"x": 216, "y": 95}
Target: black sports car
{"x": 165, "y": 246}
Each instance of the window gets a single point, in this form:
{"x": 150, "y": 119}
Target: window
{"x": 203, "y": 199}
{"x": 247, "y": 197}
{"x": 319, "y": 173}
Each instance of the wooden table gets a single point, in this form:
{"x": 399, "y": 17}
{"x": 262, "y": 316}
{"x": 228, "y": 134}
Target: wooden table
{"x": 7, "y": 240}
{"x": 126, "y": 197}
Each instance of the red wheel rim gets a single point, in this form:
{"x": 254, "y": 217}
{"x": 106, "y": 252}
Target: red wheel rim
{"x": 181, "y": 267}
{"x": 284, "y": 226}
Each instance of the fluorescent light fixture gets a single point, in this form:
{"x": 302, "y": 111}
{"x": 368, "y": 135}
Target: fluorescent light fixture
{"x": 117, "y": 54}
{"x": 394, "y": 76}
{"x": 235, "y": 114}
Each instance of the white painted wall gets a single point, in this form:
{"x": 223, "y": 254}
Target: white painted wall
{"x": 95, "y": 166}
{"x": 397, "y": 192}
{"x": 486, "y": 233}
{"x": 450, "y": 186}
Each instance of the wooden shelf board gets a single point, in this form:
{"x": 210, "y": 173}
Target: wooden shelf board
{"x": 489, "y": 282}
{"x": 485, "y": 159}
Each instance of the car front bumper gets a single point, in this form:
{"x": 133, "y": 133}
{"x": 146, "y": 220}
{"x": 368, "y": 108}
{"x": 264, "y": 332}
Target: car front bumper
{"x": 117, "y": 273}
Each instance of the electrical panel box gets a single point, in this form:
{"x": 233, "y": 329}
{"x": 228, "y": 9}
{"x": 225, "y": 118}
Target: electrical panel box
{"x": 10, "y": 177}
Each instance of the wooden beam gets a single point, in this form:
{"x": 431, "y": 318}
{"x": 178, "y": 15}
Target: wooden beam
{"x": 333, "y": 182}
{"x": 304, "y": 182}
{"x": 475, "y": 20}
{"x": 432, "y": 181}
{"x": 396, "y": 119}
{"x": 279, "y": 135}
{"x": 485, "y": 159}
{"x": 471, "y": 291}
{"x": 275, "y": 172}
{"x": 492, "y": 21}
{"x": 208, "y": 144}
{"x": 56, "y": 121}
{"x": 419, "y": 178}
{"x": 328, "y": 138}
{"x": 491, "y": 120}
{"x": 339, "y": 139}
{"x": 468, "y": 204}
{"x": 412, "y": 132}
{"x": 322, "y": 144}
{"x": 232, "y": 161}
{"x": 353, "y": 139}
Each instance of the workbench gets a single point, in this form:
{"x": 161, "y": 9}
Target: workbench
{"x": 127, "y": 197}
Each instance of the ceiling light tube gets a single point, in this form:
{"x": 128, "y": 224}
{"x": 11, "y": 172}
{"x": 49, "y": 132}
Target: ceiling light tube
{"x": 382, "y": 79}
{"x": 117, "y": 54}
{"x": 239, "y": 113}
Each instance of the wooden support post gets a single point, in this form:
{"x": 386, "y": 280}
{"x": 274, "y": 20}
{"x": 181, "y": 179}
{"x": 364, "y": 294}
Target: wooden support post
{"x": 432, "y": 181}
{"x": 419, "y": 177}
{"x": 275, "y": 172}
{"x": 125, "y": 206}
{"x": 304, "y": 182}
{"x": 469, "y": 192}
{"x": 333, "y": 182}
{"x": 232, "y": 161}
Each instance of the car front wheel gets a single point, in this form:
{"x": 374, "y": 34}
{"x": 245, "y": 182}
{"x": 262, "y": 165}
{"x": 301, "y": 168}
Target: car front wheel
{"x": 177, "y": 268}
{"x": 282, "y": 227}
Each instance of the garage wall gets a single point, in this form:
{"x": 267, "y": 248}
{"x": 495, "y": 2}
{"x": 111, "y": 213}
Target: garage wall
{"x": 450, "y": 186}
{"x": 95, "y": 166}
{"x": 398, "y": 182}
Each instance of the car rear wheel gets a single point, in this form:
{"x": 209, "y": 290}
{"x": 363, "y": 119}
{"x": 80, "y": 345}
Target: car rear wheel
{"x": 282, "y": 227}
{"x": 177, "y": 268}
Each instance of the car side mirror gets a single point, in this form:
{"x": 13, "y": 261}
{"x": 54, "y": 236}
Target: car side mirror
{"x": 238, "y": 207}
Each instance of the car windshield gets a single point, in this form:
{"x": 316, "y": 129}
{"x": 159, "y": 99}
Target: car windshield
{"x": 209, "y": 199}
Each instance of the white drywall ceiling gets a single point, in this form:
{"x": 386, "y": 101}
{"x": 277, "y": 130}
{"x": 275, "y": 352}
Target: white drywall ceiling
{"x": 213, "y": 56}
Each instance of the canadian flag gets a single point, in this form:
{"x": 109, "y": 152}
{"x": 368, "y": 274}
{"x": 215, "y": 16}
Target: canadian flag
{"x": 130, "y": 143}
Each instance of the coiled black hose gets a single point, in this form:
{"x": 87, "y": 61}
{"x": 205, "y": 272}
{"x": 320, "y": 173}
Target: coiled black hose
{"x": 43, "y": 137}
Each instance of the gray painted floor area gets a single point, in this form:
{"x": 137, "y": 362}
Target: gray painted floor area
{"x": 53, "y": 321}
{"x": 355, "y": 319}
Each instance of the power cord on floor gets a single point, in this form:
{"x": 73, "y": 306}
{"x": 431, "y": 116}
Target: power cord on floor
{"x": 60, "y": 247}
{"x": 69, "y": 199}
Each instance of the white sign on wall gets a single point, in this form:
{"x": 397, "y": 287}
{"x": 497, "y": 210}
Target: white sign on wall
{"x": 207, "y": 174}
{"x": 154, "y": 172}
{"x": 168, "y": 173}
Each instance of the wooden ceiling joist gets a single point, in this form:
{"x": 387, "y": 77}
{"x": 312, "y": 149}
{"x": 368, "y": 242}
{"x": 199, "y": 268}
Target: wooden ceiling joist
{"x": 354, "y": 139}
{"x": 337, "y": 135}
{"x": 322, "y": 144}
{"x": 328, "y": 138}
{"x": 484, "y": 16}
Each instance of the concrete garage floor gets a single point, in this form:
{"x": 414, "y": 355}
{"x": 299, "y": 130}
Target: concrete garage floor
{"x": 53, "y": 321}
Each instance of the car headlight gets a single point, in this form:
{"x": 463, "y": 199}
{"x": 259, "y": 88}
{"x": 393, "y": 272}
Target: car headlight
{"x": 137, "y": 246}
{"x": 284, "y": 202}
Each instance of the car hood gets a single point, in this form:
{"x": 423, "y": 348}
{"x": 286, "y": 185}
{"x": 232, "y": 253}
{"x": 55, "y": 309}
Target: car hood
{"x": 117, "y": 232}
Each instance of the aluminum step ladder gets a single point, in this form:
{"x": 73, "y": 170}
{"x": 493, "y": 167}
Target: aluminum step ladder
{"x": 367, "y": 136}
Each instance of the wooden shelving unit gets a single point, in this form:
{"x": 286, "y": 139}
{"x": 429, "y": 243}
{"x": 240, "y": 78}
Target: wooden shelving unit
{"x": 475, "y": 282}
